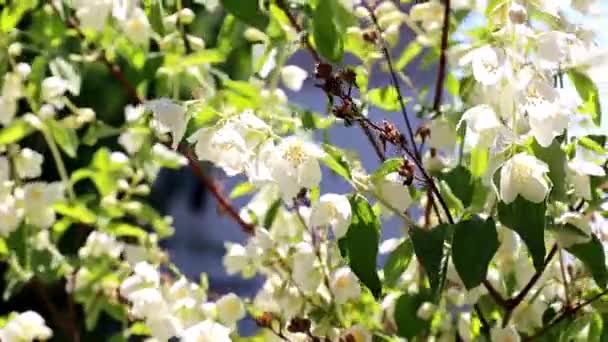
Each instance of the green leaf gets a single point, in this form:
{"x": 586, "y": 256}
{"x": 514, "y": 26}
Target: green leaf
{"x": 326, "y": 34}
{"x": 397, "y": 262}
{"x": 12, "y": 14}
{"x": 65, "y": 137}
{"x": 591, "y": 144}
{"x": 77, "y": 211}
{"x": 588, "y": 92}
{"x": 555, "y": 157}
{"x": 527, "y": 219}
{"x": 336, "y": 162}
{"x": 385, "y": 98}
{"x": 412, "y": 50}
{"x": 479, "y": 161}
{"x": 409, "y": 324}
{"x": 388, "y": 166}
{"x": 461, "y": 183}
{"x": 247, "y": 11}
{"x": 242, "y": 189}
{"x": 428, "y": 246}
{"x": 17, "y": 130}
{"x": 99, "y": 130}
{"x": 592, "y": 255}
{"x": 475, "y": 243}
{"x": 271, "y": 214}
{"x": 360, "y": 244}
{"x": 154, "y": 11}
{"x": 121, "y": 229}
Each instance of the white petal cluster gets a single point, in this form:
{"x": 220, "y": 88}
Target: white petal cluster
{"x": 524, "y": 175}
{"x": 100, "y": 244}
{"x": 392, "y": 190}
{"x": 169, "y": 117}
{"x": 345, "y": 285}
{"x": 333, "y": 210}
{"x": 179, "y": 309}
{"x": 27, "y": 326}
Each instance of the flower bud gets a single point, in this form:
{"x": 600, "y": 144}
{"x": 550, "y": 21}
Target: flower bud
{"x": 186, "y": 16}
{"x": 517, "y": 13}
{"x": 15, "y": 49}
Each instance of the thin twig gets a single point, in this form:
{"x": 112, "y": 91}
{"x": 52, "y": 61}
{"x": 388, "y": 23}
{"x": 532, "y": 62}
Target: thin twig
{"x": 294, "y": 22}
{"x": 219, "y": 196}
{"x": 442, "y": 57}
{"x": 393, "y": 73}
{"x": 514, "y": 302}
{"x": 567, "y": 313}
{"x": 562, "y": 269}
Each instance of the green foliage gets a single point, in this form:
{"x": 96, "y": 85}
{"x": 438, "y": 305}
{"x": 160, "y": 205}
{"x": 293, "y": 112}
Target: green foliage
{"x": 360, "y": 244}
{"x": 428, "y": 246}
{"x": 409, "y": 324}
{"x": 592, "y": 255}
{"x": 527, "y": 219}
{"x": 397, "y": 262}
{"x": 588, "y": 92}
{"x": 326, "y": 32}
{"x": 475, "y": 243}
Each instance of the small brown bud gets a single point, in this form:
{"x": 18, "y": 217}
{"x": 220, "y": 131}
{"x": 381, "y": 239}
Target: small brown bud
{"x": 349, "y": 76}
{"x": 370, "y": 36}
{"x": 424, "y": 132}
{"x": 323, "y": 70}
{"x": 407, "y": 171}
{"x": 265, "y": 320}
{"x": 299, "y": 325}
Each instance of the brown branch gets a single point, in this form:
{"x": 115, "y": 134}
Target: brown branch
{"x": 216, "y": 192}
{"x": 67, "y": 326}
{"x": 567, "y": 313}
{"x": 373, "y": 141}
{"x": 514, "y": 302}
{"x": 442, "y": 57}
{"x": 393, "y": 73}
{"x": 294, "y": 22}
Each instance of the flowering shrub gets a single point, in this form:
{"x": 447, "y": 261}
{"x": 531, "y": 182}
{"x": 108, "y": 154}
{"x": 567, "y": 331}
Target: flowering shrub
{"x": 497, "y": 175}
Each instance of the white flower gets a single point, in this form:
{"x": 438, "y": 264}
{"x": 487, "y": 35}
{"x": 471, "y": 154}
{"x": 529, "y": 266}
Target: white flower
{"x": 133, "y": 113}
{"x": 10, "y": 216}
{"x": 13, "y": 86}
{"x": 333, "y": 210}
{"x": 171, "y": 117}
{"x": 8, "y": 109}
{"x": 132, "y": 140}
{"x": 237, "y": 260}
{"x": 429, "y": 13}
{"x": 488, "y": 63}
{"x": 52, "y": 88}
{"x": 553, "y": 48}
{"x": 523, "y": 175}
{"x": 295, "y": 165}
{"x": 579, "y": 171}
{"x": 148, "y": 302}
{"x": 546, "y": 116}
{"x": 225, "y": 147}
{"x": 443, "y": 134}
{"x": 482, "y": 121}
{"x": 358, "y": 334}
{"x": 206, "y": 331}
{"x": 92, "y": 13}
{"x": 163, "y": 327}
{"x": 230, "y": 309}
{"x": 426, "y": 311}
{"x": 293, "y": 77}
{"x": 167, "y": 156}
{"x": 28, "y": 163}
{"x": 37, "y": 198}
{"x": 25, "y": 327}
{"x": 137, "y": 27}
{"x": 345, "y": 285}
{"x": 507, "y": 334}
{"x": 100, "y": 244}
{"x": 144, "y": 275}
{"x": 393, "y": 192}
{"x": 305, "y": 271}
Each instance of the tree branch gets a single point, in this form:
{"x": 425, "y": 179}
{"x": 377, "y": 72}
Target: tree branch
{"x": 441, "y": 72}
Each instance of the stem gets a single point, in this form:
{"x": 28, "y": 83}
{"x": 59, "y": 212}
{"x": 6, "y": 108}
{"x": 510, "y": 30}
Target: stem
{"x": 373, "y": 141}
{"x": 568, "y": 312}
{"x": 63, "y": 174}
{"x": 394, "y": 79}
{"x": 294, "y": 22}
{"x": 564, "y": 279}
{"x": 442, "y": 57}
{"x": 219, "y": 196}
{"x": 513, "y": 303}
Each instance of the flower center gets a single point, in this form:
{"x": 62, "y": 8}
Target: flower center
{"x": 295, "y": 154}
